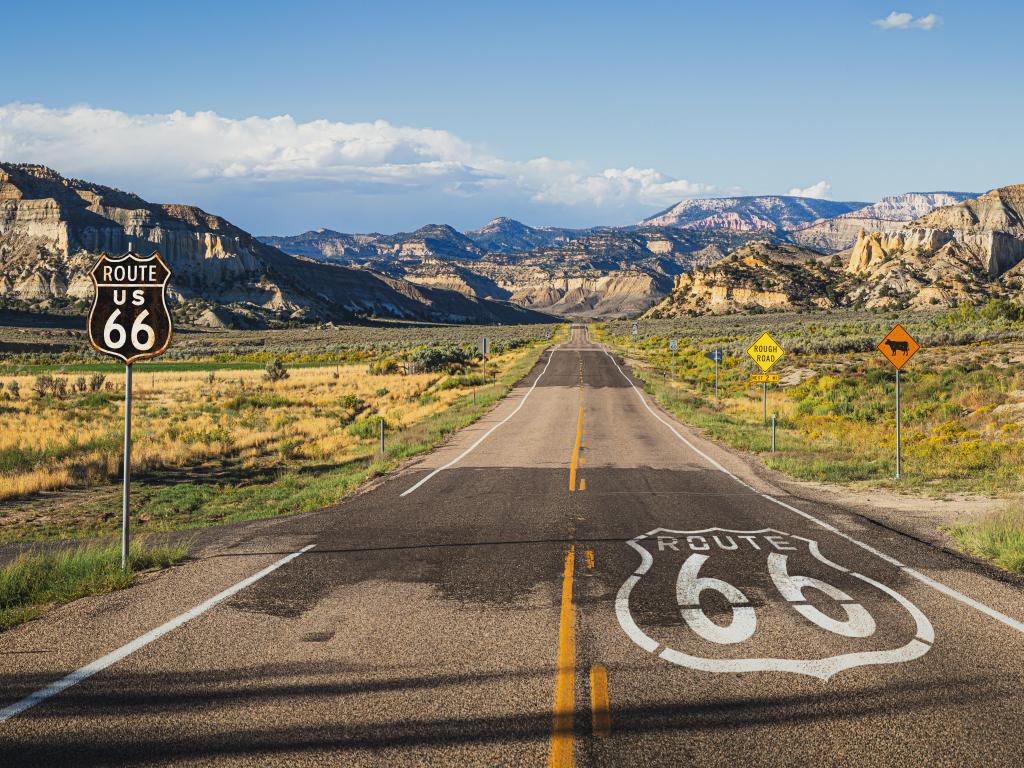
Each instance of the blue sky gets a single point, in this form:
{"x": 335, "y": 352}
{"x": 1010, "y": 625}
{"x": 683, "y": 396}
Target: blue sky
{"x": 556, "y": 113}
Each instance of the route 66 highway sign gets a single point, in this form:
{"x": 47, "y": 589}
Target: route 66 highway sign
{"x": 718, "y": 600}
{"x": 129, "y": 317}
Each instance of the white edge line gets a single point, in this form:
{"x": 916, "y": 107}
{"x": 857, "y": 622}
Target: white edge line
{"x": 486, "y": 434}
{"x": 126, "y": 650}
{"x": 936, "y": 585}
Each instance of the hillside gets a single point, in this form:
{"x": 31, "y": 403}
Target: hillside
{"x": 963, "y": 253}
{"x": 766, "y": 213}
{"x": 52, "y": 229}
{"x": 887, "y": 215}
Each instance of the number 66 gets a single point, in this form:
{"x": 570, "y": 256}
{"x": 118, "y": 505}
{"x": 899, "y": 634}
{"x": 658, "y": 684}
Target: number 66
{"x": 114, "y": 335}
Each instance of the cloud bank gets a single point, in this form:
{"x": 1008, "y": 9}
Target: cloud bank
{"x": 168, "y": 150}
{"x": 903, "y": 20}
{"x": 822, "y": 190}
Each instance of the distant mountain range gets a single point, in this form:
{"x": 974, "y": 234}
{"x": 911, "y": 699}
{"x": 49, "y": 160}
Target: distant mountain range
{"x": 605, "y": 271}
{"x": 766, "y": 213}
{"x": 715, "y": 254}
{"x": 52, "y": 229}
{"x": 966, "y": 252}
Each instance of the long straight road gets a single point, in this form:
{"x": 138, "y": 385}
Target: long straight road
{"x": 576, "y": 579}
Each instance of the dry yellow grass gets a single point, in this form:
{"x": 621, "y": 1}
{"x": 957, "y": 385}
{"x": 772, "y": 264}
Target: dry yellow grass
{"x": 184, "y": 419}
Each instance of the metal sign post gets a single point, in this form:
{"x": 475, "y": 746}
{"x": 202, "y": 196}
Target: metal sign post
{"x": 898, "y": 446}
{"x": 716, "y": 355}
{"x": 129, "y": 320}
{"x": 766, "y": 352}
{"x": 898, "y": 347}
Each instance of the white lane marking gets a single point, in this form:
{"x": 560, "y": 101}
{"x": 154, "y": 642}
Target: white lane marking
{"x": 126, "y": 650}
{"x": 936, "y": 585}
{"x": 486, "y": 434}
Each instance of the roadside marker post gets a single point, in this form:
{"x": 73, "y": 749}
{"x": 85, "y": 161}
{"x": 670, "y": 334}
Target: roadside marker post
{"x": 765, "y": 352}
{"x": 898, "y": 347}
{"x": 673, "y": 346}
{"x": 129, "y": 320}
{"x": 716, "y": 355}
{"x": 773, "y": 432}
{"x": 382, "y": 438}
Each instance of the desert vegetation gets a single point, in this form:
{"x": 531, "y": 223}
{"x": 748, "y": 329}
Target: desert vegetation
{"x": 245, "y": 425}
{"x": 963, "y": 399}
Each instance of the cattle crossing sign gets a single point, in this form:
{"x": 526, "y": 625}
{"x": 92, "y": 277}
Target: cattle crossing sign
{"x": 898, "y": 346}
{"x": 129, "y": 320}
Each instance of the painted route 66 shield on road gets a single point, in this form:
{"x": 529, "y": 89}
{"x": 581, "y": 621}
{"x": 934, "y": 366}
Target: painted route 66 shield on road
{"x": 719, "y": 600}
{"x": 129, "y": 317}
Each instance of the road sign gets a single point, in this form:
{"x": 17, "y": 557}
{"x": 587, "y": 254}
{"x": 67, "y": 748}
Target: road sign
{"x": 129, "y": 319}
{"x": 636, "y": 329}
{"x": 765, "y": 378}
{"x": 898, "y": 346}
{"x": 485, "y": 346}
{"x": 766, "y": 351}
{"x": 715, "y": 355}
{"x": 673, "y": 345}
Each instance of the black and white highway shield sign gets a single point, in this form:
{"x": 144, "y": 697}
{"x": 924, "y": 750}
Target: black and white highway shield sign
{"x": 129, "y": 317}
{"x": 719, "y": 600}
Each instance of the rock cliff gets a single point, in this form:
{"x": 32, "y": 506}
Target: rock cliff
{"x": 53, "y": 228}
{"x": 766, "y": 213}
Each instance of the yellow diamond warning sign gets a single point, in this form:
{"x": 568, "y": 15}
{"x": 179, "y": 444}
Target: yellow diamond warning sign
{"x": 766, "y": 351}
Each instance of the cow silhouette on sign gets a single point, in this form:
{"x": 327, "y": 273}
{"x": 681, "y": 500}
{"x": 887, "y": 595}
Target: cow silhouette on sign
{"x": 897, "y": 346}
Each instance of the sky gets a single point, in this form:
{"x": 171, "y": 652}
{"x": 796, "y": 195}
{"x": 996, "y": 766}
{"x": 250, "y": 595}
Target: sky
{"x": 384, "y": 116}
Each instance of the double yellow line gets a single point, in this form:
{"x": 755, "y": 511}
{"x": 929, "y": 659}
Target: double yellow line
{"x": 563, "y": 724}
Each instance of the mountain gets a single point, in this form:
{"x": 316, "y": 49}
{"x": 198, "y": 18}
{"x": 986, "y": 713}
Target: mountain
{"x": 890, "y": 213}
{"x": 53, "y": 228}
{"x": 767, "y": 213}
{"x": 504, "y": 235}
{"x": 599, "y": 272}
{"x": 962, "y": 253}
{"x": 760, "y": 275}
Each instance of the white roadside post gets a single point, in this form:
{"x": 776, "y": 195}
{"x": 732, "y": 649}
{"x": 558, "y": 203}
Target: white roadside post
{"x": 673, "y": 345}
{"x": 898, "y": 347}
{"x": 129, "y": 320}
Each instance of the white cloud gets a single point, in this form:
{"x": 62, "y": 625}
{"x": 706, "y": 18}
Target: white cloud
{"x": 904, "y": 20}
{"x": 170, "y": 149}
{"x": 822, "y": 190}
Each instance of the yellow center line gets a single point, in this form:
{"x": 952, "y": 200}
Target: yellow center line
{"x": 575, "y": 462}
{"x": 561, "y": 755}
{"x": 600, "y": 710}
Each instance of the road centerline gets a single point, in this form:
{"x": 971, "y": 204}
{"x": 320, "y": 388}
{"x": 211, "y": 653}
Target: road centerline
{"x": 562, "y": 740}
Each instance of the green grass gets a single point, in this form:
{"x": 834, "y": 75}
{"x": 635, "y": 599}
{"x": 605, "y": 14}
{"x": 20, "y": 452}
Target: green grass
{"x": 36, "y": 580}
{"x": 998, "y": 537}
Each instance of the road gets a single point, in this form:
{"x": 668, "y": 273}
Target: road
{"x": 577, "y": 579}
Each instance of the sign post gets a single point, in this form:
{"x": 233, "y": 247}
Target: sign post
{"x": 765, "y": 352}
{"x": 485, "y": 349}
{"x": 673, "y": 345}
{"x": 717, "y": 355}
{"x": 636, "y": 329}
{"x": 898, "y": 347}
{"x": 129, "y": 320}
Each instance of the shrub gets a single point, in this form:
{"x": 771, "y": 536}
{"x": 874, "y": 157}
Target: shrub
{"x": 96, "y": 382}
{"x": 275, "y": 371}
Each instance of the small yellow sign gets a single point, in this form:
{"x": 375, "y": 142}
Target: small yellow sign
{"x": 765, "y": 378}
{"x": 766, "y": 351}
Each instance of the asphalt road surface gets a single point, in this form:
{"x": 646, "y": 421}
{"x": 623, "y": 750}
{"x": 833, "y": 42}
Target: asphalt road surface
{"x": 576, "y": 579}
